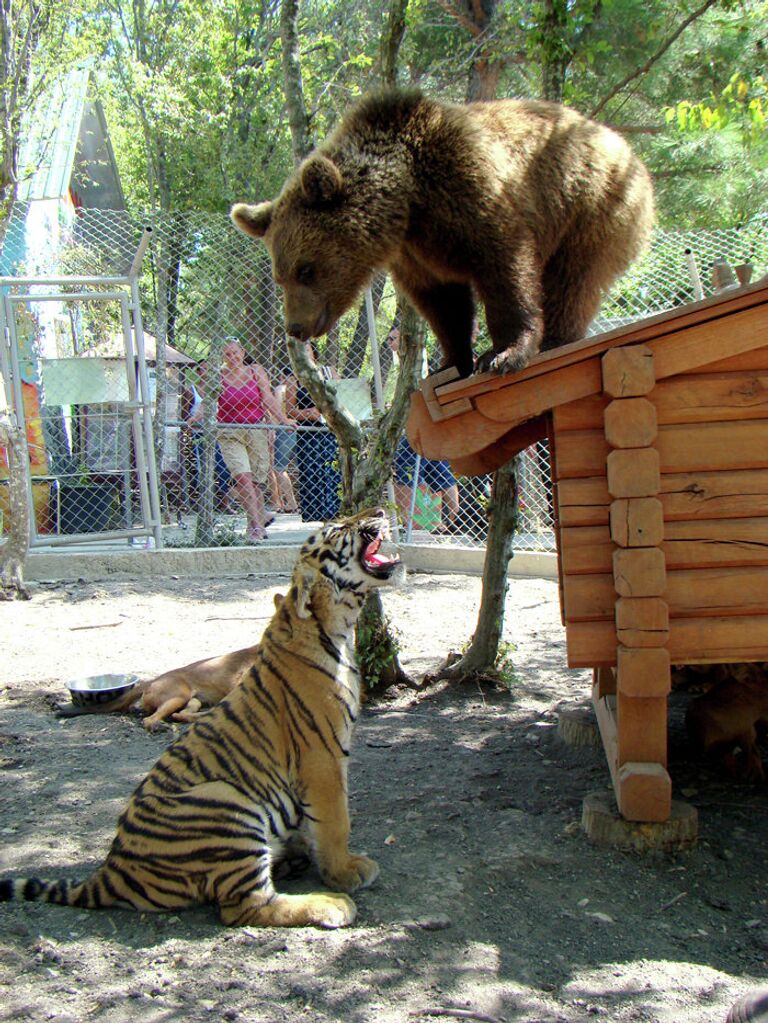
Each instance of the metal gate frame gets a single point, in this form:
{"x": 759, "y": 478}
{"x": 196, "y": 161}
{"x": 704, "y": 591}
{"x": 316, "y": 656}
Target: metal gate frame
{"x": 124, "y": 290}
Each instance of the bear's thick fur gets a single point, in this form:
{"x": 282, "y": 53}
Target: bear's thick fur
{"x": 528, "y": 206}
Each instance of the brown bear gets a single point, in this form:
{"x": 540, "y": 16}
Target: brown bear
{"x": 527, "y": 205}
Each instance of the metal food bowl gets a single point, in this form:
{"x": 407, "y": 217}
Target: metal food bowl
{"x": 99, "y": 688}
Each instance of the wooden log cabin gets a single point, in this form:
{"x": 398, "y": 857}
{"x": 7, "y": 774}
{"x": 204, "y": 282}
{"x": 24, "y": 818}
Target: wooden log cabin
{"x": 658, "y": 435}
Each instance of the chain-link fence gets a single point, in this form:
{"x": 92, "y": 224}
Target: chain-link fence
{"x": 202, "y": 282}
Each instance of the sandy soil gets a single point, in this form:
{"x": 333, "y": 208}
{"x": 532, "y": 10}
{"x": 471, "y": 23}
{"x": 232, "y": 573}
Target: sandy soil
{"x": 492, "y": 903}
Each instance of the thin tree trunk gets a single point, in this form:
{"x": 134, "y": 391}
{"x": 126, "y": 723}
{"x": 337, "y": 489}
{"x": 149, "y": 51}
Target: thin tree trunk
{"x": 555, "y": 53}
{"x": 13, "y": 553}
{"x": 391, "y": 41}
{"x": 365, "y": 457}
{"x": 482, "y": 653}
{"x": 292, "y": 82}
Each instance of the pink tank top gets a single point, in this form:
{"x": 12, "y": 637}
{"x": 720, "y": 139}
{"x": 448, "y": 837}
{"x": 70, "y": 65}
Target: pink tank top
{"x": 241, "y": 404}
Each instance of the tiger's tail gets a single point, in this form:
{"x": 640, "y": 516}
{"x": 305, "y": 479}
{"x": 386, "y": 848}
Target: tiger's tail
{"x": 92, "y": 893}
{"x": 122, "y": 702}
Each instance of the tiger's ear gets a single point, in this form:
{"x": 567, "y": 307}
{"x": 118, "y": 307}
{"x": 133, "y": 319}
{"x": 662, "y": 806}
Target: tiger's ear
{"x": 302, "y": 584}
{"x": 253, "y": 220}
{"x": 321, "y": 180}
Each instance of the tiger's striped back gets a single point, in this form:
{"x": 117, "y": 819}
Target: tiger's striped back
{"x": 268, "y": 762}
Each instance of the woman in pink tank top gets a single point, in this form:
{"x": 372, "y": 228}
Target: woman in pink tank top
{"x": 246, "y": 399}
{"x": 241, "y": 404}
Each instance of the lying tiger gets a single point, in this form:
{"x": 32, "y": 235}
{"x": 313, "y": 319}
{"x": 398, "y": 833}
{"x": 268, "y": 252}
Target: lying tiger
{"x": 267, "y": 762}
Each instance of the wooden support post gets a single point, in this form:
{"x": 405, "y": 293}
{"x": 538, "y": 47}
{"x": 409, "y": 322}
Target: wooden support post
{"x": 604, "y": 681}
{"x": 645, "y": 792}
{"x": 633, "y": 723}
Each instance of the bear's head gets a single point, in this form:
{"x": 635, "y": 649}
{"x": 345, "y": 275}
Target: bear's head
{"x": 325, "y": 241}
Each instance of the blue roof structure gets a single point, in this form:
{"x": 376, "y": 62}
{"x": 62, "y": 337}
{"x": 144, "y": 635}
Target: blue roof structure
{"x": 67, "y": 147}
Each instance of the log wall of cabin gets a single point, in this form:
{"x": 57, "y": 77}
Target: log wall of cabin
{"x": 712, "y": 446}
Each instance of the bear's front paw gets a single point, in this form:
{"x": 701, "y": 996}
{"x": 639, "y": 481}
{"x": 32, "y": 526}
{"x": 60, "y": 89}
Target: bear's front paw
{"x": 357, "y": 872}
{"x": 510, "y": 360}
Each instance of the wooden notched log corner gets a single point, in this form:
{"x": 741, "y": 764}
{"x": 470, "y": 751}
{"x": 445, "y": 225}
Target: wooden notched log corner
{"x": 658, "y": 436}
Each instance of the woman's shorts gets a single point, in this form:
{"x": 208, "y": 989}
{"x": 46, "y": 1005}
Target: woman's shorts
{"x": 285, "y": 443}
{"x": 245, "y": 449}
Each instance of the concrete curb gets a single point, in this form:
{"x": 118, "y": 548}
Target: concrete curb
{"x": 219, "y": 562}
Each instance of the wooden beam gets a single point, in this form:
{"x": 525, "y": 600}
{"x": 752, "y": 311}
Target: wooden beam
{"x": 500, "y": 451}
{"x": 674, "y": 321}
{"x": 703, "y": 447}
{"x": 604, "y": 681}
{"x": 690, "y": 398}
{"x": 727, "y": 543}
{"x": 642, "y": 621}
{"x": 707, "y": 543}
{"x": 630, "y": 423}
{"x": 687, "y": 448}
{"x": 703, "y": 344}
{"x": 628, "y": 372}
{"x": 526, "y": 398}
{"x": 691, "y": 641}
{"x": 689, "y": 592}
{"x": 457, "y": 437}
{"x": 637, "y": 522}
{"x": 633, "y": 473}
{"x": 740, "y": 493}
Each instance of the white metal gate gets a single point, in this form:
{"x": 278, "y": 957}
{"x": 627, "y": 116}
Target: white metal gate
{"x": 73, "y": 359}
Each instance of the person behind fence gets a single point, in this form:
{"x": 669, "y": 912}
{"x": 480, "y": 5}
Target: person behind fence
{"x": 434, "y": 475}
{"x": 316, "y": 451}
{"x": 222, "y": 477}
{"x": 284, "y": 449}
{"x": 246, "y": 400}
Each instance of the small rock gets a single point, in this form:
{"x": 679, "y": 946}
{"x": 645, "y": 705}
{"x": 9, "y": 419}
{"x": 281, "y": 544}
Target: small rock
{"x": 603, "y": 918}
{"x": 431, "y": 923}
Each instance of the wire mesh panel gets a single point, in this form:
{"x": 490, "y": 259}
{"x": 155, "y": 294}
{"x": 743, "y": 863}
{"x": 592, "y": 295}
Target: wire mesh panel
{"x": 72, "y": 373}
{"x": 203, "y": 283}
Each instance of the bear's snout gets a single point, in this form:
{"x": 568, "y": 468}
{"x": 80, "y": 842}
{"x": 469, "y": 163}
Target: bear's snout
{"x": 295, "y": 330}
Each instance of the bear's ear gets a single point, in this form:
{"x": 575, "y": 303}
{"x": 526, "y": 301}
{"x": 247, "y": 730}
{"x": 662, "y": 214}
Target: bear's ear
{"x": 253, "y": 220}
{"x": 321, "y": 180}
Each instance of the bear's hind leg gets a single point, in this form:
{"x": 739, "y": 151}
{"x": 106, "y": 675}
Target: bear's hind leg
{"x": 574, "y": 282}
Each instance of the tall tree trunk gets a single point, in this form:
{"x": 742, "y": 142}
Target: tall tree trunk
{"x": 481, "y": 655}
{"x": 391, "y": 41}
{"x": 292, "y": 81}
{"x": 13, "y": 553}
{"x": 555, "y": 50}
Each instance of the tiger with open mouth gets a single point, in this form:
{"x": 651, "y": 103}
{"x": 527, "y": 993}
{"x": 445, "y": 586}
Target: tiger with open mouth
{"x": 266, "y": 764}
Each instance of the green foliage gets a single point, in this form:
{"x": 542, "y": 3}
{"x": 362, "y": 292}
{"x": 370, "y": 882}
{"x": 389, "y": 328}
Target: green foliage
{"x": 377, "y": 647}
{"x": 505, "y": 665}
{"x": 742, "y": 102}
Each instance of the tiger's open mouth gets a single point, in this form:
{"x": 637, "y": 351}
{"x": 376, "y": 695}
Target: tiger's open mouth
{"x": 374, "y": 561}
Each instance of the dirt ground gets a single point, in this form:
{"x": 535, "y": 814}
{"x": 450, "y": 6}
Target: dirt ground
{"x": 492, "y": 903}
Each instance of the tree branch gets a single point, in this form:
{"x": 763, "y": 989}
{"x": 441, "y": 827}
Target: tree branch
{"x": 639, "y": 72}
{"x": 462, "y": 19}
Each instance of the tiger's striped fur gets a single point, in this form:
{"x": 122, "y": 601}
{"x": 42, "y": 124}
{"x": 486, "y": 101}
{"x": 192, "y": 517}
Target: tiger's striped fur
{"x": 269, "y": 761}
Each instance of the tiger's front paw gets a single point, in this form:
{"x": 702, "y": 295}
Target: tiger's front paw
{"x": 357, "y": 872}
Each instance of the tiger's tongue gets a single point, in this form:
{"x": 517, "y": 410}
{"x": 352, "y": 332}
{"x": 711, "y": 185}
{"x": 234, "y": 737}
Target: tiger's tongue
{"x": 377, "y": 559}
